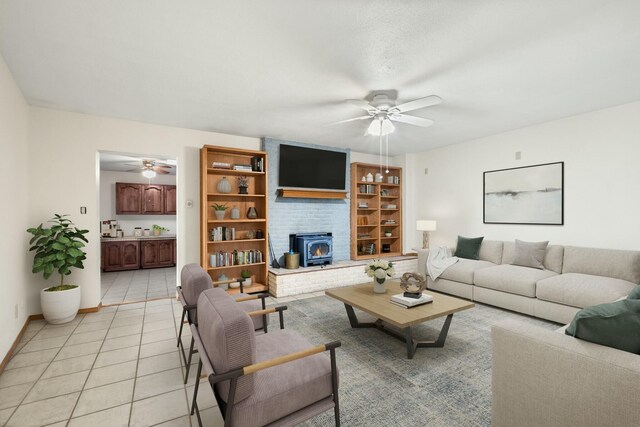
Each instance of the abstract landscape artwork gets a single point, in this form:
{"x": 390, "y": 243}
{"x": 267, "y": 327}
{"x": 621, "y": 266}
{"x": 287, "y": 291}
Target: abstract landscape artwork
{"x": 525, "y": 195}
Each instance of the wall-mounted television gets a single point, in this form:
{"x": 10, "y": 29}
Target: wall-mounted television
{"x": 304, "y": 167}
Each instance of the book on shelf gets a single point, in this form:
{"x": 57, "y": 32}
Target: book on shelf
{"x": 237, "y": 167}
{"x": 222, "y": 233}
{"x": 221, "y": 165}
{"x": 229, "y": 259}
{"x": 407, "y": 302}
{"x": 367, "y": 189}
{"x": 257, "y": 164}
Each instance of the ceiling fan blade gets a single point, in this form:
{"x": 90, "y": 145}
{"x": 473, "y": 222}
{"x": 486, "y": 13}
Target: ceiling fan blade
{"x": 163, "y": 166}
{"x": 134, "y": 170}
{"x": 427, "y": 101}
{"x": 412, "y": 120}
{"x": 362, "y": 104}
{"x": 351, "y": 120}
{"x": 161, "y": 171}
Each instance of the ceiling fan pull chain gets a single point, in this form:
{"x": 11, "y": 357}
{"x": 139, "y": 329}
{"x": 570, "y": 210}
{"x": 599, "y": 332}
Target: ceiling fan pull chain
{"x": 380, "y": 142}
{"x": 387, "y": 151}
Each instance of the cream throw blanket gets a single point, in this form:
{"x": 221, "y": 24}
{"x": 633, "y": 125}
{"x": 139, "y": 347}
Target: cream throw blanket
{"x": 439, "y": 260}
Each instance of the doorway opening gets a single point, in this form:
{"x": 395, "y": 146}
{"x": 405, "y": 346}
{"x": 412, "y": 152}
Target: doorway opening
{"x": 138, "y": 246}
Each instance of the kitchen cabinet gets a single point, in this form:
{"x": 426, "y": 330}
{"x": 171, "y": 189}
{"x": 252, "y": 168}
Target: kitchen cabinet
{"x": 157, "y": 253}
{"x": 145, "y": 199}
{"x": 170, "y": 206}
{"x": 128, "y": 198}
{"x": 118, "y": 256}
{"x": 152, "y": 200}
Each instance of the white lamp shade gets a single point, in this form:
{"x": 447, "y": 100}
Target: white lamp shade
{"x": 148, "y": 173}
{"x": 425, "y": 225}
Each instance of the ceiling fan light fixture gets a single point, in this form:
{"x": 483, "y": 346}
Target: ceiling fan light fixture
{"x": 148, "y": 173}
{"x": 381, "y": 127}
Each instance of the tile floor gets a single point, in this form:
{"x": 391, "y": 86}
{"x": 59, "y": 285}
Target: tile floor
{"x": 137, "y": 285}
{"x": 117, "y": 367}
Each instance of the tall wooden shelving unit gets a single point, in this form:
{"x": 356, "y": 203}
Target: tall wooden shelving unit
{"x": 368, "y": 225}
{"x": 256, "y": 197}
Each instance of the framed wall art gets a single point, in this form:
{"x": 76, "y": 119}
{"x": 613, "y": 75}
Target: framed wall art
{"x": 525, "y": 195}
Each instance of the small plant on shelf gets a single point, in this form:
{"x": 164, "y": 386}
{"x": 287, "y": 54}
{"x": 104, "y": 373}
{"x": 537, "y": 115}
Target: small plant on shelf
{"x": 388, "y": 232}
{"x": 219, "y": 210}
{"x": 243, "y": 184}
{"x": 246, "y": 275}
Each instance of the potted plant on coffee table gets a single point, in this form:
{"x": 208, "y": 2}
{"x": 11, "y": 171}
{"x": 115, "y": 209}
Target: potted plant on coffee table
{"x": 58, "y": 249}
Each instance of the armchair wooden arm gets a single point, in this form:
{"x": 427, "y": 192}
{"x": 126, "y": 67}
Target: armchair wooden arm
{"x": 280, "y": 309}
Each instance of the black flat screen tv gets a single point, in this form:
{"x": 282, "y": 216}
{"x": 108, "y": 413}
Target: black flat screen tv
{"x": 312, "y": 168}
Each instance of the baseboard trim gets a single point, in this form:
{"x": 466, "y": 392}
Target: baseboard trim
{"x": 9, "y": 354}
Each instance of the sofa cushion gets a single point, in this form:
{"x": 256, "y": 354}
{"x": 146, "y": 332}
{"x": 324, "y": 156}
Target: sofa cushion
{"x": 228, "y": 338}
{"x": 582, "y": 290}
{"x": 620, "y": 264}
{"x": 491, "y": 250}
{"x": 285, "y": 388}
{"x": 462, "y": 271}
{"x": 511, "y": 278}
{"x": 614, "y": 325}
{"x": 530, "y": 254}
{"x": 468, "y": 247}
{"x": 552, "y": 256}
{"x": 635, "y": 293}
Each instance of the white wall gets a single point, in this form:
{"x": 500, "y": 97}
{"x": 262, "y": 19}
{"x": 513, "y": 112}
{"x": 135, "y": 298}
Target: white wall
{"x": 601, "y": 154}
{"x": 16, "y": 284}
{"x": 127, "y": 223}
{"x": 65, "y": 174}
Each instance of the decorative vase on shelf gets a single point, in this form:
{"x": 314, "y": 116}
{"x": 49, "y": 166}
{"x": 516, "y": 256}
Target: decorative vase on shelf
{"x": 252, "y": 213}
{"x": 369, "y": 177}
{"x": 243, "y": 190}
{"x": 378, "y": 177}
{"x": 224, "y": 186}
{"x": 379, "y": 285}
{"x": 235, "y": 213}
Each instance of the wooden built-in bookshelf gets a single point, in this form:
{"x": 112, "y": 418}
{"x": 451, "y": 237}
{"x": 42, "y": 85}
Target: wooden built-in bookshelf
{"x": 245, "y": 239}
{"x": 383, "y": 204}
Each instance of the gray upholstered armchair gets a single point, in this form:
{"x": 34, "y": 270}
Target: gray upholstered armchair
{"x": 194, "y": 279}
{"x": 277, "y": 378}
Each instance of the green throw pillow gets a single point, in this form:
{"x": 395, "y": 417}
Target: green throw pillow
{"x": 468, "y": 247}
{"x": 615, "y": 325}
{"x": 635, "y": 293}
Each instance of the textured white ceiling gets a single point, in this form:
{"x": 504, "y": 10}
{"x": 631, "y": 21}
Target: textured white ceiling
{"x": 281, "y": 68}
{"x": 126, "y": 163}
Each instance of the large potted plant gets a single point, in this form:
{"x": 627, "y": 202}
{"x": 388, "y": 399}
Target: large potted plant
{"x": 57, "y": 250}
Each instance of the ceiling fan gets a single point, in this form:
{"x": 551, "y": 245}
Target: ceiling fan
{"x": 382, "y": 111}
{"x": 149, "y": 168}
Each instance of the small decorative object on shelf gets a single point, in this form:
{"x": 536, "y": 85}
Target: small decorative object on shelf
{"x": 250, "y": 235}
{"x": 252, "y": 213}
{"x": 364, "y": 178}
{"x": 224, "y": 186}
{"x": 243, "y": 184}
{"x": 413, "y": 284}
{"x": 380, "y": 270}
{"x": 378, "y": 177}
{"x": 259, "y": 234}
{"x": 369, "y": 177}
{"x": 219, "y": 210}
{"x": 157, "y": 229}
{"x": 388, "y": 233}
{"x": 235, "y": 213}
{"x": 246, "y": 275}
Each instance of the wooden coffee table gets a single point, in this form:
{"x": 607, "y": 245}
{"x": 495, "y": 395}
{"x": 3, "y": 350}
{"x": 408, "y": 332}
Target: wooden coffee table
{"x": 379, "y": 305}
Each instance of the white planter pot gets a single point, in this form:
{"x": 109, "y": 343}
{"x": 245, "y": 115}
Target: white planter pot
{"x": 219, "y": 215}
{"x": 247, "y": 282}
{"x": 60, "y": 306}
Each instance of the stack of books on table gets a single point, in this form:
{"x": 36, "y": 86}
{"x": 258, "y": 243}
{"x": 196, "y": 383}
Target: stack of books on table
{"x": 408, "y": 302}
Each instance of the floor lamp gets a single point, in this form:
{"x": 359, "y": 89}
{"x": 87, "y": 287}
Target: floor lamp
{"x": 425, "y": 226}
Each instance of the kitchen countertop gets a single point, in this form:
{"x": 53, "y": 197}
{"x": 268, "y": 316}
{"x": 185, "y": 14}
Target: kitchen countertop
{"x": 129, "y": 238}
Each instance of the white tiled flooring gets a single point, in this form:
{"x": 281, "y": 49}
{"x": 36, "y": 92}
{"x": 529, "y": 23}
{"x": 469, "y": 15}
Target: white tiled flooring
{"x": 137, "y": 285}
{"x": 117, "y": 367}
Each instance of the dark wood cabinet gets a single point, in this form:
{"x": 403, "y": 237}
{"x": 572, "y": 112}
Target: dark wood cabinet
{"x": 153, "y": 200}
{"x": 128, "y": 198}
{"x": 170, "y": 206}
{"x": 145, "y": 199}
{"x": 157, "y": 253}
{"x": 118, "y": 256}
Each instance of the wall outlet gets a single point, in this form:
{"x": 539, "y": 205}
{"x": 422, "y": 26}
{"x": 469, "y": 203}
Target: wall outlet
{"x": 518, "y": 155}
{"x": 16, "y": 311}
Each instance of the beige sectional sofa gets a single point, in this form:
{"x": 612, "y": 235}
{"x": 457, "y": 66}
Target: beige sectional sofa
{"x": 572, "y": 278}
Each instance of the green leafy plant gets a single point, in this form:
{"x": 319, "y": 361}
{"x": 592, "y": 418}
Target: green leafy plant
{"x": 159, "y": 227}
{"x": 58, "y": 249}
{"x": 245, "y": 274}
{"x": 219, "y": 207}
